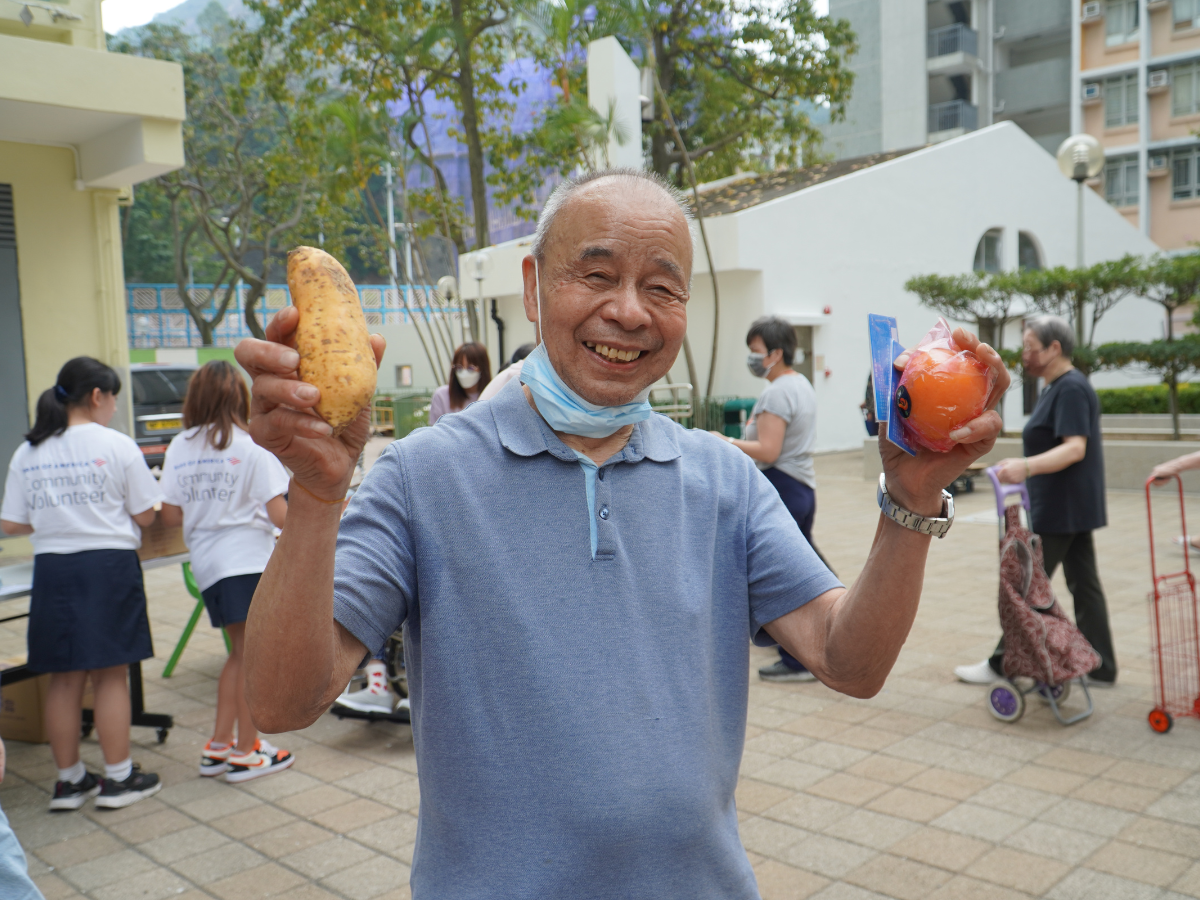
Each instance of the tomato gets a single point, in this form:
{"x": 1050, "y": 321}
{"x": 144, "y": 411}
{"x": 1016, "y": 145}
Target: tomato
{"x": 941, "y": 391}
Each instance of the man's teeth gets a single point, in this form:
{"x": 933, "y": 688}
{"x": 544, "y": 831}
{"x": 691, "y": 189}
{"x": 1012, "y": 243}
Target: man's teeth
{"x": 614, "y": 354}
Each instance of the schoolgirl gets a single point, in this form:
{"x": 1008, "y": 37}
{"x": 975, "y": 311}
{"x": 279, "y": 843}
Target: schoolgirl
{"x": 227, "y": 492}
{"x": 83, "y": 493}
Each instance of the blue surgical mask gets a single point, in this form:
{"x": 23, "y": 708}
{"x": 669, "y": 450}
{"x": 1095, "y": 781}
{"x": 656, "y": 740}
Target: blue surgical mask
{"x": 562, "y": 408}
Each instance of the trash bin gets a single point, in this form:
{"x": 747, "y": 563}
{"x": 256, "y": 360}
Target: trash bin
{"x": 409, "y": 413}
{"x": 737, "y": 411}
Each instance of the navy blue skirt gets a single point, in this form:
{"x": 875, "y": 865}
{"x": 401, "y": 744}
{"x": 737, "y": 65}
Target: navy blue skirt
{"x": 228, "y": 601}
{"x": 87, "y": 611}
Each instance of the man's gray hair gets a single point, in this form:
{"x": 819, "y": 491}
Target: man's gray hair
{"x": 635, "y": 178}
{"x": 1049, "y": 329}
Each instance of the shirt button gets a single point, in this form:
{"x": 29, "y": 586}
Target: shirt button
{"x": 604, "y": 512}
{"x": 601, "y": 474}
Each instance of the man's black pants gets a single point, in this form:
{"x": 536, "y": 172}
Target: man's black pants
{"x": 1077, "y": 553}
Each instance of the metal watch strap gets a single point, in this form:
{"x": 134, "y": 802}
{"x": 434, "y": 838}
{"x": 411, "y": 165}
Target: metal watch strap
{"x": 936, "y": 527}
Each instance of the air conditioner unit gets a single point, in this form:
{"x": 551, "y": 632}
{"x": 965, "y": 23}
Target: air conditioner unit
{"x": 1157, "y": 164}
{"x": 1157, "y": 79}
{"x": 1093, "y": 92}
{"x": 1093, "y": 11}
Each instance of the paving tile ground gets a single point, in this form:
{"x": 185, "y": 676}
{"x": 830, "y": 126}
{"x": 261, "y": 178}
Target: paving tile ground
{"x": 914, "y": 793}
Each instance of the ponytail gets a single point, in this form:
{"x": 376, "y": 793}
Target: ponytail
{"x": 76, "y": 381}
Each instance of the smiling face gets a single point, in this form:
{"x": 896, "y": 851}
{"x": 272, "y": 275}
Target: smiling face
{"x": 614, "y": 281}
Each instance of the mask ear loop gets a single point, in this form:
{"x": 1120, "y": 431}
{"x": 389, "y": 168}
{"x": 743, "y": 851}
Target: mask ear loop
{"x": 537, "y": 286}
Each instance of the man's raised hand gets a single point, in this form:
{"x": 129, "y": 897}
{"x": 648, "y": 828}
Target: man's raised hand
{"x": 282, "y": 419}
{"x": 916, "y": 482}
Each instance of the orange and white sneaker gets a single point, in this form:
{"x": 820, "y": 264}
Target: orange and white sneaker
{"x": 262, "y": 760}
{"x": 214, "y": 762}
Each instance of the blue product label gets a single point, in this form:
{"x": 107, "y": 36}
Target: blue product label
{"x": 883, "y": 333}
{"x": 895, "y": 430}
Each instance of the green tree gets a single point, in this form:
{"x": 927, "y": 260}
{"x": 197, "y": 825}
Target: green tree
{"x": 989, "y": 302}
{"x": 399, "y": 51}
{"x": 252, "y": 174}
{"x": 1083, "y": 296}
{"x": 1170, "y": 359}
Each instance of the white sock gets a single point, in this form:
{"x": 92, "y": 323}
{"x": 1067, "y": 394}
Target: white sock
{"x": 118, "y": 772}
{"x": 377, "y": 674}
{"x": 74, "y": 774}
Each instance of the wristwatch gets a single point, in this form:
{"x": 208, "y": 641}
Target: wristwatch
{"x": 937, "y": 527}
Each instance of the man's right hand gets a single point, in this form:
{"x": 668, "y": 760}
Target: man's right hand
{"x": 282, "y": 418}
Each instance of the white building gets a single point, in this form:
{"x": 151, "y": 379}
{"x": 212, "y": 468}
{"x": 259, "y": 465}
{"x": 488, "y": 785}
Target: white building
{"x": 826, "y": 246}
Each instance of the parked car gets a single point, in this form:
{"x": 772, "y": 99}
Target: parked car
{"x": 158, "y": 392}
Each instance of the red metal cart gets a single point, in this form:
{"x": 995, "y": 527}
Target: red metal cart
{"x": 1174, "y": 632}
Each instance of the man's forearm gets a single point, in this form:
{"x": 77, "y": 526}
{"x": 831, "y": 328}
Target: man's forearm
{"x": 291, "y": 640}
{"x": 850, "y": 639}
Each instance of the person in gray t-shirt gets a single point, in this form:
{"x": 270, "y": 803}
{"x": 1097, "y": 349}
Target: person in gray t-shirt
{"x": 779, "y": 438}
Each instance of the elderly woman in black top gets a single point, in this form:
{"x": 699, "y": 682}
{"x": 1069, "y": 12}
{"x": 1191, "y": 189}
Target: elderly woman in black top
{"x": 1064, "y": 466}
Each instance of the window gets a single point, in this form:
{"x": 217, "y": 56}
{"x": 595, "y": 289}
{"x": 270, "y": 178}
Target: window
{"x": 1121, "y": 181}
{"x": 1185, "y": 89}
{"x": 1186, "y": 14}
{"x": 987, "y": 254}
{"x": 1028, "y": 255}
{"x": 1121, "y": 100}
{"x": 1184, "y": 173}
{"x": 1120, "y": 22}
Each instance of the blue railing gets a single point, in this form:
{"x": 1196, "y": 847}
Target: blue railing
{"x": 953, "y": 114}
{"x": 956, "y": 38}
{"x": 158, "y": 318}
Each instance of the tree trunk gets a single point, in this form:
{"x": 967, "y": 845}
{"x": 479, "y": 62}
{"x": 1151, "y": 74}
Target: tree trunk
{"x": 257, "y": 289}
{"x": 470, "y": 121}
{"x": 1173, "y": 381}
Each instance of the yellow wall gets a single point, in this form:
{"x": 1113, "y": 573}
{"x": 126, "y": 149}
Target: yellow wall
{"x": 86, "y": 32}
{"x": 1165, "y": 40}
{"x": 1097, "y": 54}
{"x": 1173, "y": 223}
{"x": 69, "y": 265}
{"x": 1163, "y": 125}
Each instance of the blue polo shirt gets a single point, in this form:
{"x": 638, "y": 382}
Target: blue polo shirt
{"x": 578, "y": 719}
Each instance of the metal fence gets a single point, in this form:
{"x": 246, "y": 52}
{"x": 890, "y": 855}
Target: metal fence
{"x": 956, "y": 38}
{"x": 953, "y": 114}
{"x": 158, "y": 318}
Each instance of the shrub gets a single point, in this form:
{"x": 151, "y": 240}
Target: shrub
{"x": 1148, "y": 399}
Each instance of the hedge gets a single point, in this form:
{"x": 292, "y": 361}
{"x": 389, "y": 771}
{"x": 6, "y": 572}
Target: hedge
{"x": 1148, "y": 399}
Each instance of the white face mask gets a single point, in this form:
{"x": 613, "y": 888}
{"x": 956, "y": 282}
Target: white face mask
{"x": 467, "y": 378}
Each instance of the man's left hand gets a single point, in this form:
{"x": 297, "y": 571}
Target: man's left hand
{"x": 916, "y": 482}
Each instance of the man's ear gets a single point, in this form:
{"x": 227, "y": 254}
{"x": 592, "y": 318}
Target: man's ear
{"x": 529, "y": 297}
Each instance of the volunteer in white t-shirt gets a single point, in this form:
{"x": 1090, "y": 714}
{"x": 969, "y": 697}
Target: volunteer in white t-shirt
{"x": 227, "y": 492}
{"x": 83, "y": 493}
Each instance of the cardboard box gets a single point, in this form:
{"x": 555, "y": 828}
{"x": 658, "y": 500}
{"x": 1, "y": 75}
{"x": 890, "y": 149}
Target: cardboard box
{"x": 22, "y": 706}
{"x": 158, "y": 541}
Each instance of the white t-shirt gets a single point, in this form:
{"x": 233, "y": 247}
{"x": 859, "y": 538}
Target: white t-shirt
{"x": 502, "y": 378}
{"x": 79, "y": 490}
{"x": 223, "y": 495}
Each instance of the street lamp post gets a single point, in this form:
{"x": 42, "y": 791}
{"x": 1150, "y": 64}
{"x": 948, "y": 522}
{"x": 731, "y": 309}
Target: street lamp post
{"x": 478, "y": 266}
{"x": 1080, "y": 157}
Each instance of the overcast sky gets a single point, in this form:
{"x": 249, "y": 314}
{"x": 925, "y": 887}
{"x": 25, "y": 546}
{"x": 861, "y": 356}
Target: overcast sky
{"x": 120, "y": 14}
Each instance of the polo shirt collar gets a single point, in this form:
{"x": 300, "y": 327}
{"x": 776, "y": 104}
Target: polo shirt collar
{"x": 522, "y": 431}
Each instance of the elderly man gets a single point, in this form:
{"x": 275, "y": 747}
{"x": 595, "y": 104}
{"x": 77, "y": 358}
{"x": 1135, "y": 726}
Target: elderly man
{"x": 548, "y": 554}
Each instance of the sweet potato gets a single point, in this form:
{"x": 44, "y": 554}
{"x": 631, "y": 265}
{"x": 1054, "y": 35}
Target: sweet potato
{"x": 332, "y": 339}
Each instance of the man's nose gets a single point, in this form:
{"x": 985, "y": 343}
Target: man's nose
{"x": 627, "y": 307}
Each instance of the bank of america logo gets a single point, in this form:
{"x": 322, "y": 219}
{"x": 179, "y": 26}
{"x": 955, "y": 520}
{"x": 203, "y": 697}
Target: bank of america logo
{"x": 233, "y": 460}
{"x": 98, "y": 462}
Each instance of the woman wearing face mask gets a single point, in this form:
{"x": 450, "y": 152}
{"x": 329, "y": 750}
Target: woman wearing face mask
{"x": 779, "y": 438}
{"x": 470, "y": 372}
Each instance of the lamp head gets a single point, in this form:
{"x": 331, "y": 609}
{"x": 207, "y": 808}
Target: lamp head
{"x": 1080, "y": 157}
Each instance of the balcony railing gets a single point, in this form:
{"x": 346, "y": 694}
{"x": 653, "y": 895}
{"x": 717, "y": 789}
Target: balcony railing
{"x": 953, "y": 114}
{"x": 956, "y": 38}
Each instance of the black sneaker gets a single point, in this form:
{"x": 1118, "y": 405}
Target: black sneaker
{"x": 138, "y": 786}
{"x": 781, "y": 671}
{"x": 72, "y": 796}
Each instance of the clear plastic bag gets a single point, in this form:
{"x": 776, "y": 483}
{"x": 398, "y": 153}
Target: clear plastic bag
{"x": 942, "y": 388}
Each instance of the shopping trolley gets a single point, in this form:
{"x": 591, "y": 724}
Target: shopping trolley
{"x": 1174, "y": 631}
{"x": 1040, "y": 643}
